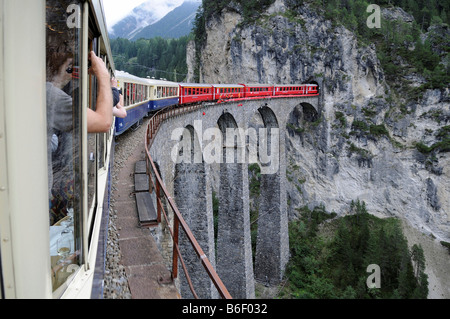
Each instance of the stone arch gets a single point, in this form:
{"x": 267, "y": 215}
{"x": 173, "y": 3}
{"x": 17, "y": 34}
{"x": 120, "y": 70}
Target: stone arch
{"x": 192, "y": 197}
{"x": 234, "y": 259}
{"x": 310, "y": 113}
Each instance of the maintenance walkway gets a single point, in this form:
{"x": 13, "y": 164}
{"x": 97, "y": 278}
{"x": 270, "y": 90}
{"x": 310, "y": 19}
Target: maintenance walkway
{"x": 148, "y": 276}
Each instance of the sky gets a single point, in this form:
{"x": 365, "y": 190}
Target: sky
{"x": 115, "y": 10}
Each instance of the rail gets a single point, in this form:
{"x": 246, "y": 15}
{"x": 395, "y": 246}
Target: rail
{"x": 158, "y": 185}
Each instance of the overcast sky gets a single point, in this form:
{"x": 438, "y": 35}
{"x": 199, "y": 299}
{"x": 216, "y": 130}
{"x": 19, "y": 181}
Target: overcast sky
{"x": 115, "y": 10}
{"x": 118, "y": 9}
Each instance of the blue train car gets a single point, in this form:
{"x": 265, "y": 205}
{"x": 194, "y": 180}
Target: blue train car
{"x": 134, "y": 115}
{"x": 136, "y": 98}
{"x": 143, "y": 96}
{"x": 163, "y": 94}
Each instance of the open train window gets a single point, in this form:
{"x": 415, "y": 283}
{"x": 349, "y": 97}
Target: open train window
{"x": 64, "y": 134}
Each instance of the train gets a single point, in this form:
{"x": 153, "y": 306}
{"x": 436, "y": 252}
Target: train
{"x": 54, "y": 180}
{"x": 144, "y": 96}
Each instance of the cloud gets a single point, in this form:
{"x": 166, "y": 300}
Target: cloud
{"x": 161, "y": 7}
{"x": 116, "y": 10}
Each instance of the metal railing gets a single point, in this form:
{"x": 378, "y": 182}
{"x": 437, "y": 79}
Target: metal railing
{"x": 179, "y": 222}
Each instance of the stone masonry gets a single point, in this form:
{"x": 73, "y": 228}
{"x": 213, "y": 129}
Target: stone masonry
{"x": 190, "y": 182}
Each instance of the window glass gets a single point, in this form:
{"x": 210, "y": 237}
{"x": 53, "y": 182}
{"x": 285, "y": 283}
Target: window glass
{"x": 128, "y": 94}
{"x": 63, "y": 61}
{"x": 92, "y": 138}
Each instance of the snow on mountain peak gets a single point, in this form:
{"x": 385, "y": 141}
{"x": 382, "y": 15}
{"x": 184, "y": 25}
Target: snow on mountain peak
{"x": 143, "y": 15}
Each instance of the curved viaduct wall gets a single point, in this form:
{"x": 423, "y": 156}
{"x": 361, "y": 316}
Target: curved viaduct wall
{"x": 228, "y": 137}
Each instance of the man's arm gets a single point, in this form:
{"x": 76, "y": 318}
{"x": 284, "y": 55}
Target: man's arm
{"x": 100, "y": 120}
{"x": 119, "y": 110}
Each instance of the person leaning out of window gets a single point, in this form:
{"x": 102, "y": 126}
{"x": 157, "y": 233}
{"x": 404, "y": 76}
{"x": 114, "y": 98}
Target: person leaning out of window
{"x": 118, "y": 109}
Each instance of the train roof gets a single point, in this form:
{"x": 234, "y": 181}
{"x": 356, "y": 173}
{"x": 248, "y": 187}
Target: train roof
{"x": 228, "y": 85}
{"x": 195, "y": 85}
{"x": 258, "y": 85}
{"x": 286, "y": 85}
{"x": 122, "y": 75}
{"x": 162, "y": 83}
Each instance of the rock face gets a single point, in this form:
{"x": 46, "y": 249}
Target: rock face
{"x": 343, "y": 157}
{"x": 363, "y": 145}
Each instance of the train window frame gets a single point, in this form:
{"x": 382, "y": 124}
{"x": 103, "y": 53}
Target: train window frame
{"x": 72, "y": 152}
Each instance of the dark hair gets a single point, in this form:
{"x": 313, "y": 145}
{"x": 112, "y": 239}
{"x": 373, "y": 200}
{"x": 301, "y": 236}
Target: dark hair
{"x": 60, "y": 41}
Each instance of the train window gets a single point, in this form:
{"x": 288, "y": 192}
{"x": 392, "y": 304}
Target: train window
{"x": 130, "y": 94}
{"x": 64, "y": 119}
{"x": 92, "y": 155}
{"x": 126, "y": 94}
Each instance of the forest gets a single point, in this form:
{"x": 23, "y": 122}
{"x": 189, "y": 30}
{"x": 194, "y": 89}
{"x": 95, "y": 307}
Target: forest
{"x": 330, "y": 257}
{"x": 157, "y": 57}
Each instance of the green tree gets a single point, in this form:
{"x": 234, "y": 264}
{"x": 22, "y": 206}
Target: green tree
{"x": 418, "y": 258}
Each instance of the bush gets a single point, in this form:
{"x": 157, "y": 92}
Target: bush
{"x": 379, "y": 130}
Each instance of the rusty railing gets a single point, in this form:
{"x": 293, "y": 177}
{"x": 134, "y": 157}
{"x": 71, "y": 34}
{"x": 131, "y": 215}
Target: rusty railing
{"x": 161, "y": 192}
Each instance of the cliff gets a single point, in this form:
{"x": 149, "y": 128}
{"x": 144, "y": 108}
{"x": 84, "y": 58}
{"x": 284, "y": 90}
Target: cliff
{"x": 372, "y": 141}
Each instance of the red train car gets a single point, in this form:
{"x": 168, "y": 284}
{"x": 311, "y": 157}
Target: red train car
{"x": 195, "y": 92}
{"x": 296, "y": 89}
{"x": 312, "y": 89}
{"x": 228, "y": 91}
{"x": 258, "y": 90}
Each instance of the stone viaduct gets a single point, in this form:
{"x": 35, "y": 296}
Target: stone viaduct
{"x": 212, "y": 148}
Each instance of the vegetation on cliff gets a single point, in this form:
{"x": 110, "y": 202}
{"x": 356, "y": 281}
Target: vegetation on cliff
{"x": 401, "y": 46}
{"x": 330, "y": 256}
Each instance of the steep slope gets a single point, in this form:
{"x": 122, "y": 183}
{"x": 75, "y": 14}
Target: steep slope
{"x": 175, "y": 24}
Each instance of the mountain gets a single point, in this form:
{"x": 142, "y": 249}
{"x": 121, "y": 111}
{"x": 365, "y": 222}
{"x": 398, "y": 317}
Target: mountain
{"x": 142, "y": 16}
{"x": 175, "y": 24}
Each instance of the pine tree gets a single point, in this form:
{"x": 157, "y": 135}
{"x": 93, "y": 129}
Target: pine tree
{"x": 418, "y": 259}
